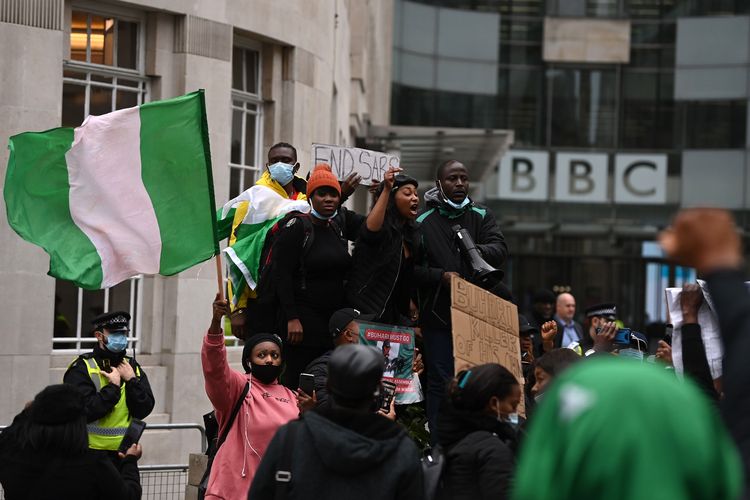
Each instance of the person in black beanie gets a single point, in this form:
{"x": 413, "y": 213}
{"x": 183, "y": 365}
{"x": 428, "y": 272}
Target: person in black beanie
{"x": 265, "y": 404}
{"x": 343, "y": 450}
{"x": 44, "y": 454}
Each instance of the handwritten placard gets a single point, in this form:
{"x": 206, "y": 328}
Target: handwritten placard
{"x": 371, "y": 165}
{"x": 485, "y": 330}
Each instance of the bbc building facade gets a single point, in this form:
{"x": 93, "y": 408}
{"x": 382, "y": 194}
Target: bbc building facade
{"x": 623, "y": 111}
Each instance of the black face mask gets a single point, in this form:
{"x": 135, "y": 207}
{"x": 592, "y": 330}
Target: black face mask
{"x": 265, "y": 373}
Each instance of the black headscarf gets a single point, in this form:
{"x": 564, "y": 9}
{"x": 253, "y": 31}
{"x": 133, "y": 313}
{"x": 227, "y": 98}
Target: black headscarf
{"x": 255, "y": 340}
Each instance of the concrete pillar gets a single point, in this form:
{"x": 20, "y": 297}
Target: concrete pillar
{"x": 31, "y": 54}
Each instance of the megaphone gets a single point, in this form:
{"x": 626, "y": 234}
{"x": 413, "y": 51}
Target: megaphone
{"x": 483, "y": 274}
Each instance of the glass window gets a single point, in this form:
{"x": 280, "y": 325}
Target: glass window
{"x": 520, "y": 54}
{"x": 583, "y": 107}
{"x": 104, "y": 74}
{"x": 712, "y": 7}
{"x": 648, "y": 110}
{"x": 650, "y": 9}
{"x": 245, "y": 161}
{"x": 525, "y": 104}
{"x": 75, "y": 308}
{"x": 520, "y": 30}
{"x": 103, "y": 40}
{"x": 413, "y": 106}
{"x": 602, "y": 8}
{"x": 722, "y": 124}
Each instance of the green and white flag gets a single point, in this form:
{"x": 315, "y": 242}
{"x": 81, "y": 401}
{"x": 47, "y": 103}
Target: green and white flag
{"x": 125, "y": 193}
{"x": 260, "y": 207}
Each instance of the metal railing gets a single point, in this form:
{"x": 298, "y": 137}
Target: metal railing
{"x": 161, "y": 481}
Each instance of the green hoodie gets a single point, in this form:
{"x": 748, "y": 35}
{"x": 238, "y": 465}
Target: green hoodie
{"x": 619, "y": 430}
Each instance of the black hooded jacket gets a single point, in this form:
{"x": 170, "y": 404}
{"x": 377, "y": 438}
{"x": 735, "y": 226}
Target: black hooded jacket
{"x": 342, "y": 454}
{"x": 479, "y": 453}
{"x": 438, "y": 252}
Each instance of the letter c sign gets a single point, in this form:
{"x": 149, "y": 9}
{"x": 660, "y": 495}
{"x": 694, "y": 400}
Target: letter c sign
{"x": 640, "y": 179}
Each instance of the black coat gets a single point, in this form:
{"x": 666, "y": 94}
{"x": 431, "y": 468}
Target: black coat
{"x": 480, "y": 456}
{"x": 138, "y": 394}
{"x": 343, "y": 454}
{"x": 438, "y": 252}
{"x": 318, "y": 368}
{"x": 732, "y": 301}
{"x": 27, "y": 474}
{"x": 583, "y": 338}
{"x": 380, "y": 280}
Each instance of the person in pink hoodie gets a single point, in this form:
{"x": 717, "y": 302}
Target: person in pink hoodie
{"x": 267, "y": 406}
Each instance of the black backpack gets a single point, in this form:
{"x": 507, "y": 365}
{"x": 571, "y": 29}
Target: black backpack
{"x": 266, "y": 289}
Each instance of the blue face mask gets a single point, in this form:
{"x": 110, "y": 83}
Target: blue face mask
{"x": 317, "y": 215}
{"x": 458, "y": 205}
{"x": 453, "y": 203}
{"x": 283, "y": 173}
{"x": 631, "y": 353}
{"x": 117, "y": 342}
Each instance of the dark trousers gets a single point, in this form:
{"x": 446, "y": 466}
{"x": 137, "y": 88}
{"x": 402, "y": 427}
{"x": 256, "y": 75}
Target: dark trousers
{"x": 438, "y": 359}
{"x": 296, "y": 359}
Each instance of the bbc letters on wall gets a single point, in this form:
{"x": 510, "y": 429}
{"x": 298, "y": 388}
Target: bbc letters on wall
{"x": 583, "y": 177}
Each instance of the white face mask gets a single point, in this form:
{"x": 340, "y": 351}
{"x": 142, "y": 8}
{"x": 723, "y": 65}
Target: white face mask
{"x": 511, "y": 418}
{"x": 631, "y": 353}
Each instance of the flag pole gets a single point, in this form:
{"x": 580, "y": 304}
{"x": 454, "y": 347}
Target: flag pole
{"x": 219, "y": 276}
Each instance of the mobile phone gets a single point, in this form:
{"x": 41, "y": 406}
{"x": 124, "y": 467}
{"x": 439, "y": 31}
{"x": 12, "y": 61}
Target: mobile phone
{"x": 106, "y": 365}
{"x": 622, "y": 336}
{"x": 389, "y": 390}
{"x": 132, "y": 435}
{"x": 307, "y": 383}
{"x": 668, "y": 333}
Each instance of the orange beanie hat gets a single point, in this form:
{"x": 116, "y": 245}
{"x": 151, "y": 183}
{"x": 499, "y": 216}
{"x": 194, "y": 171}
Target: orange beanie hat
{"x": 322, "y": 176}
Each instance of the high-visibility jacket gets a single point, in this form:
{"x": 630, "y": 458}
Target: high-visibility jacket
{"x": 107, "y": 432}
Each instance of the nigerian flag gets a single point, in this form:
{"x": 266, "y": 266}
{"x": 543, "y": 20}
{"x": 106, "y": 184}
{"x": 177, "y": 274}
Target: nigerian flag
{"x": 125, "y": 193}
{"x": 254, "y": 213}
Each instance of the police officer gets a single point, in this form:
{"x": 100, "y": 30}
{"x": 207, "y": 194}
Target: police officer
{"x": 114, "y": 387}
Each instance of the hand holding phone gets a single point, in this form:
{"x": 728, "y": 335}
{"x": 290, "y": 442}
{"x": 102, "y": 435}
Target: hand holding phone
{"x": 132, "y": 435}
{"x": 389, "y": 391}
{"x": 307, "y": 383}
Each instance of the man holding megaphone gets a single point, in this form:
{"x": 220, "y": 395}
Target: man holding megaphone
{"x": 458, "y": 237}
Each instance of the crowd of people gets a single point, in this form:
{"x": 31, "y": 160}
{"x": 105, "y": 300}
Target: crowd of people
{"x": 603, "y": 418}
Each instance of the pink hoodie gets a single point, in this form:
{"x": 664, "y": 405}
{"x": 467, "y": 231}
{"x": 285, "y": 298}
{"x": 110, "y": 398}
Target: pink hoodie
{"x": 266, "y": 408}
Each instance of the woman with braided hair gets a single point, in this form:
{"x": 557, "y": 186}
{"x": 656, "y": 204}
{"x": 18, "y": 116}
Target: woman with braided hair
{"x": 477, "y": 433}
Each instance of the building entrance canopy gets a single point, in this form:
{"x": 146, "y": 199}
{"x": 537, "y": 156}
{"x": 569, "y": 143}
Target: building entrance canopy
{"x": 422, "y": 149}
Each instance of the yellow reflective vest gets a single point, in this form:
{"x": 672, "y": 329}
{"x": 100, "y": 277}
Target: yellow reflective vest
{"x": 107, "y": 432}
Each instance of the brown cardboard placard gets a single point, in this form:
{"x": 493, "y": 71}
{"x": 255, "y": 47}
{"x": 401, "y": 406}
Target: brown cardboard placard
{"x": 485, "y": 330}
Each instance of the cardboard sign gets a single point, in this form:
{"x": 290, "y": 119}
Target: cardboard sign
{"x": 371, "y": 165}
{"x": 485, "y": 330}
{"x": 397, "y": 345}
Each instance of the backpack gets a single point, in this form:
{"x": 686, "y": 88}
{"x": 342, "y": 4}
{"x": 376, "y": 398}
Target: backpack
{"x": 266, "y": 283}
{"x": 214, "y": 440}
{"x": 433, "y": 465}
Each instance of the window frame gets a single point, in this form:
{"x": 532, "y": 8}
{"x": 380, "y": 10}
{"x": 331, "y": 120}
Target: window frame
{"x": 85, "y": 343}
{"x": 239, "y": 101}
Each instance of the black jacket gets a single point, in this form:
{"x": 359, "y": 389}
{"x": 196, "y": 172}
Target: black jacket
{"x": 732, "y": 301}
{"x": 479, "y": 453}
{"x": 343, "y": 454}
{"x": 438, "y": 252}
{"x": 694, "y": 360}
{"x": 138, "y": 394}
{"x": 318, "y": 368}
{"x": 28, "y": 474}
{"x": 380, "y": 281}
